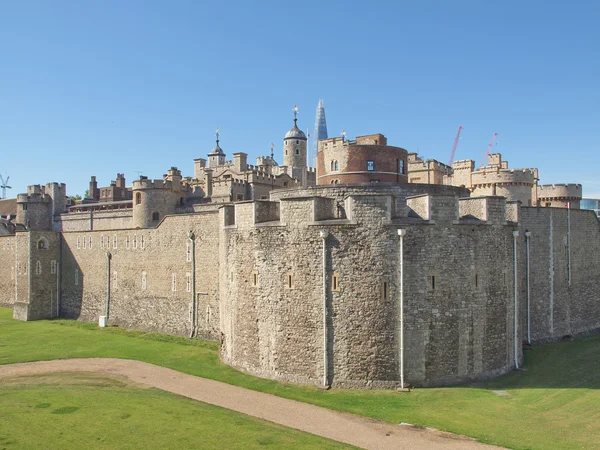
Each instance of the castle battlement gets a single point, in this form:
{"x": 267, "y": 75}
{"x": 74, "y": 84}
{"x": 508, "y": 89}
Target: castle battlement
{"x": 496, "y": 175}
{"x": 369, "y": 209}
{"x": 558, "y": 191}
{"x": 145, "y": 183}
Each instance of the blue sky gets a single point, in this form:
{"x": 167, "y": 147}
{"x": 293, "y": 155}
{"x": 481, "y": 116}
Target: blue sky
{"x": 100, "y": 87}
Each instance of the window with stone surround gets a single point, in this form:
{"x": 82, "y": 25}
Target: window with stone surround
{"x": 174, "y": 282}
{"x": 42, "y": 244}
{"x": 127, "y": 242}
{"x": 335, "y": 282}
{"x": 401, "y": 166}
{"x": 90, "y": 242}
{"x": 370, "y": 165}
{"x": 188, "y": 252}
{"x": 115, "y": 280}
{"x": 38, "y": 268}
{"x": 431, "y": 282}
{"x": 188, "y": 282}
{"x": 138, "y": 198}
{"x": 135, "y": 241}
{"x": 115, "y": 241}
{"x": 142, "y": 242}
{"x": 53, "y": 267}
{"x": 143, "y": 281}
{"x": 84, "y": 242}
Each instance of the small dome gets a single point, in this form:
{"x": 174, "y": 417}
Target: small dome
{"x": 217, "y": 151}
{"x": 295, "y": 133}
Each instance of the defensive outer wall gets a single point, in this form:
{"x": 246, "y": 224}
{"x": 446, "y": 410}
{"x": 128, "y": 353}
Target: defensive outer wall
{"x": 252, "y": 275}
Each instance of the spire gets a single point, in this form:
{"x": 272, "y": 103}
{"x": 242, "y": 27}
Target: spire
{"x": 320, "y": 129}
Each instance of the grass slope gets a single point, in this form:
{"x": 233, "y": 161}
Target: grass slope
{"x": 78, "y": 410}
{"x": 554, "y": 404}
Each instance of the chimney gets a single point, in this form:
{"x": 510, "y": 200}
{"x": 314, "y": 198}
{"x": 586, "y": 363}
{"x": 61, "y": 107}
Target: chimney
{"x": 240, "y": 161}
{"x": 94, "y": 192}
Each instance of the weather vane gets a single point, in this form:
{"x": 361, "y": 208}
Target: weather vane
{"x": 217, "y": 133}
{"x": 343, "y": 134}
{"x": 272, "y": 150}
{"x": 295, "y": 109}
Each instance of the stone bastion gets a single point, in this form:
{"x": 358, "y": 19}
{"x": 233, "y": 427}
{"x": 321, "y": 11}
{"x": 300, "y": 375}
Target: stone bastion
{"x": 311, "y": 293}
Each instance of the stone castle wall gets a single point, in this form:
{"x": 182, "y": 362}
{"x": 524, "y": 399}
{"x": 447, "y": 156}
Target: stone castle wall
{"x": 156, "y": 255}
{"x": 458, "y": 325}
{"x": 7, "y": 270}
{"x": 93, "y": 220}
{"x": 558, "y": 309}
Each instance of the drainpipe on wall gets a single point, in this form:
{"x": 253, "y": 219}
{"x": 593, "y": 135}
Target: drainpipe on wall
{"x": 108, "y": 258}
{"x": 527, "y": 236}
{"x": 401, "y": 233}
{"x": 569, "y": 240}
{"x": 324, "y": 235}
{"x": 192, "y": 238}
{"x": 515, "y": 235}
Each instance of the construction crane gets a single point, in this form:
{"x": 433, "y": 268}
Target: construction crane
{"x": 4, "y": 185}
{"x": 489, "y": 149}
{"x": 454, "y": 145}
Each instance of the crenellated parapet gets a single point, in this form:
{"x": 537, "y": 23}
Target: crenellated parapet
{"x": 559, "y": 195}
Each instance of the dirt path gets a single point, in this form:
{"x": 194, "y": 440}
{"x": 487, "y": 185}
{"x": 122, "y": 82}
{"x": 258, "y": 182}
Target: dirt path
{"x": 342, "y": 427}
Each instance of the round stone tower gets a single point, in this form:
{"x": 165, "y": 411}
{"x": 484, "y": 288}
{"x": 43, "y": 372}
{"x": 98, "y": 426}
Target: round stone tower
{"x": 154, "y": 199}
{"x": 294, "y": 151}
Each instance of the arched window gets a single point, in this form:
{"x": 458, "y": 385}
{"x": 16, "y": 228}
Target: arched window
{"x": 155, "y": 217}
{"x": 42, "y": 244}
{"x": 332, "y": 165}
{"x": 138, "y": 198}
{"x": 297, "y": 151}
{"x": 337, "y": 167}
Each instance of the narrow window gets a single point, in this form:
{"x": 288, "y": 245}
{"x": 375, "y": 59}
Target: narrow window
{"x": 90, "y": 242}
{"x": 188, "y": 282}
{"x": 431, "y": 279}
{"x": 115, "y": 279}
{"x": 297, "y": 141}
{"x": 476, "y": 280}
{"x": 84, "y": 242}
{"x": 401, "y": 166}
{"x": 38, "y": 268}
{"x": 127, "y": 242}
{"x": 24, "y": 207}
{"x": 335, "y": 282}
{"x": 155, "y": 217}
{"x": 332, "y": 166}
{"x": 135, "y": 241}
{"x": 174, "y": 282}
{"x": 297, "y": 151}
{"x": 189, "y": 252}
{"x": 371, "y": 165}
{"x": 53, "y": 267}
{"x": 138, "y": 198}
{"x": 385, "y": 290}
{"x": 231, "y": 276}
{"x": 76, "y": 277}
{"x": 78, "y": 243}
{"x": 102, "y": 243}
{"x": 115, "y": 241}
{"x": 289, "y": 281}
{"x": 337, "y": 167}
{"x": 142, "y": 242}
{"x": 143, "y": 281}
{"x": 255, "y": 278}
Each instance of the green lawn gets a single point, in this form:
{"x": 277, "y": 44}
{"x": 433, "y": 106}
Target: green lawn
{"x": 554, "y": 404}
{"x": 78, "y": 410}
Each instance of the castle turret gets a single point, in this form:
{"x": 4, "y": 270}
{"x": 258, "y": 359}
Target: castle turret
{"x": 217, "y": 156}
{"x": 33, "y": 208}
{"x": 294, "y": 151}
{"x": 154, "y": 199}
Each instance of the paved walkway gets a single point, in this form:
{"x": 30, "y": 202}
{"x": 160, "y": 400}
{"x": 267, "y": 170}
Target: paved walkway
{"x": 342, "y": 427}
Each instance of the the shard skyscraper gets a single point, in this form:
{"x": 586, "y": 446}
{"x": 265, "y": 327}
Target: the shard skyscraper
{"x": 320, "y": 130}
